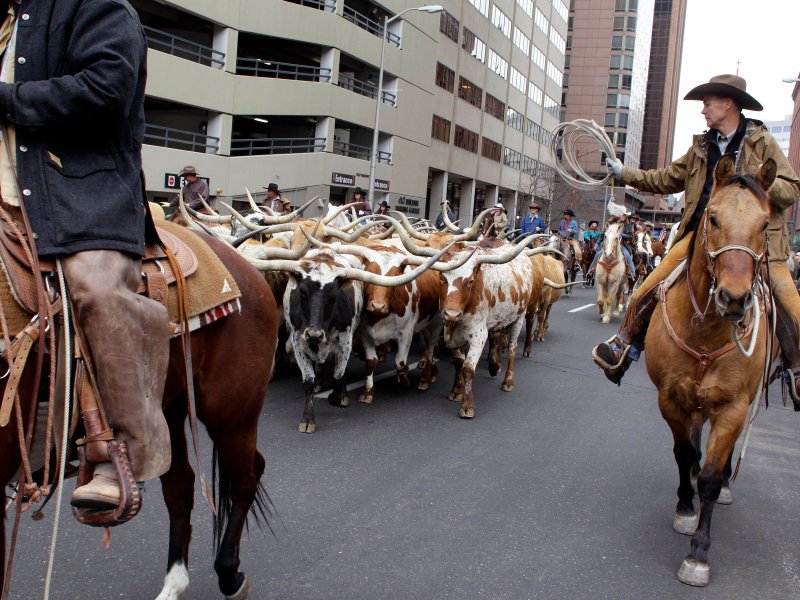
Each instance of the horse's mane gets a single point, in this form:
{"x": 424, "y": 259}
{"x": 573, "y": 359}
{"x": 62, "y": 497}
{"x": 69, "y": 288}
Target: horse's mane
{"x": 748, "y": 182}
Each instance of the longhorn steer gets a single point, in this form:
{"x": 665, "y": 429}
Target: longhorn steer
{"x": 480, "y": 298}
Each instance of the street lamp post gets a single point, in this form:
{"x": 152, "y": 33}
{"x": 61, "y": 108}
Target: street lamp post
{"x": 434, "y": 8}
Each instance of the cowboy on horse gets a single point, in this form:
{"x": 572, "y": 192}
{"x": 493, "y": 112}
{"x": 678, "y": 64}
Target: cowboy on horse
{"x": 72, "y": 115}
{"x": 568, "y": 230}
{"x": 748, "y": 144}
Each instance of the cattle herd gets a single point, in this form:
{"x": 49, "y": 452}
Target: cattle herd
{"x": 382, "y": 282}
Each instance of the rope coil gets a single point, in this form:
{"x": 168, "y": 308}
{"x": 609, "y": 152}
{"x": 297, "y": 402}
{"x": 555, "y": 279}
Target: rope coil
{"x": 566, "y": 137}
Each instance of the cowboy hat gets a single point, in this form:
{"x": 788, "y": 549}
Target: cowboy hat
{"x": 534, "y": 205}
{"x": 633, "y": 216}
{"x": 187, "y": 170}
{"x": 499, "y": 205}
{"x": 272, "y": 187}
{"x": 648, "y": 224}
{"x": 569, "y": 211}
{"x": 593, "y": 222}
{"x": 358, "y": 190}
{"x": 726, "y": 86}
{"x": 384, "y": 203}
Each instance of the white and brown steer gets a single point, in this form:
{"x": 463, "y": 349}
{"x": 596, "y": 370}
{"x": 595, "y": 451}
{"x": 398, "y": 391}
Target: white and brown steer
{"x": 489, "y": 293}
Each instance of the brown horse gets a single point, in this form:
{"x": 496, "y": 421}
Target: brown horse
{"x": 232, "y": 363}
{"x": 587, "y": 256}
{"x": 691, "y": 356}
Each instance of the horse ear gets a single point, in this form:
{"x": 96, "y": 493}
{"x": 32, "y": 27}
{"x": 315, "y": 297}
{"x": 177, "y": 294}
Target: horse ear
{"x": 766, "y": 174}
{"x": 723, "y": 171}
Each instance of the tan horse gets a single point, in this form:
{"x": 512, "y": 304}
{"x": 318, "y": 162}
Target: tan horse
{"x": 691, "y": 355}
{"x": 610, "y": 276}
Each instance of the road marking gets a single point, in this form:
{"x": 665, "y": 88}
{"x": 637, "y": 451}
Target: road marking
{"x": 584, "y": 307}
{"x": 358, "y": 384}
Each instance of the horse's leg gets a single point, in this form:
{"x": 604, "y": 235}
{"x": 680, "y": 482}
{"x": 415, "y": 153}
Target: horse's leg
{"x": 680, "y": 423}
{"x": 725, "y": 429}
{"x": 371, "y": 356}
{"x": 697, "y": 441}
{"x": 2, "y": 540}
{"x": 725, "y": 496}
{"x": 513, "y": 338}
{"x": 177, "y": 486}
{"x": 457, "y": 393}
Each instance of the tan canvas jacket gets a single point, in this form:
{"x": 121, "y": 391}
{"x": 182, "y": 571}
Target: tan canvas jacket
{"x": 688, "y": 174}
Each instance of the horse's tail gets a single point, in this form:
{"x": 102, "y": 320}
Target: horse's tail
{"x": 262, "y": 509}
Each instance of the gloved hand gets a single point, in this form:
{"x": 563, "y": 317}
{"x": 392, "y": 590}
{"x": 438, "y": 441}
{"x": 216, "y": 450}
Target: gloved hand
{"x": 614, "y": 167}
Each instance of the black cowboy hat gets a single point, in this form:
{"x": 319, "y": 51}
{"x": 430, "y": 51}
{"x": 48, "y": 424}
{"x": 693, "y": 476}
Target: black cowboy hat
{"x": 385, "y": 203}
{"x": 726, "y": 86}
{"x": 358, "y": 190}
{"x": 272, "y": 187}
{"x": 595, "y": 222}
{"x": 569, "y": 211}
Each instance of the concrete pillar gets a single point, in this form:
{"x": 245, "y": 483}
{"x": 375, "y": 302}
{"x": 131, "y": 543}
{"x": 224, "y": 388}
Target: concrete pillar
{"x": 438, "y": 194}
{"x": 467, "y": 202}
{"x": 492, "y": 194}
{"x": 325, "y": 127}
{"x": 329, "y": 59}
{"x": 220, "y": 125}
{"x": 227, "y": 40}
{"x": 512, "y": 202}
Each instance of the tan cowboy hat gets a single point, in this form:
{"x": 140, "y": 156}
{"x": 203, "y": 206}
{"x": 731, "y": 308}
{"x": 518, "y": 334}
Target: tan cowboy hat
{"x": 726, "y": 86}
{"x": 187, "y": 170}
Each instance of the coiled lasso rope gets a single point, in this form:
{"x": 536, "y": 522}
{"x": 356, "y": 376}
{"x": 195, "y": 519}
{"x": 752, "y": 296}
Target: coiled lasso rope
{"x": 565, "y": 138}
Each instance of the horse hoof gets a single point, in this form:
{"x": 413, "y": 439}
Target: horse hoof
{"x": 507, "y": 386}
{"x": 366, "y": 398}
{"x": 402, "y": 379}
{"x": 423, "y": 386}
{"x": 615, "y": 313}
{"x": 307, "y": 427}
{"x": 526, "y": 353}
{"x": 725, "y": 496}
{"x": 466, "y": 412}
{"x": 606, "y": 320}
{"x": 242, "y": 593}
{"x": 685, "y": 524}
{"x": 455, "y": 397}
{"x": 693, "y": 572}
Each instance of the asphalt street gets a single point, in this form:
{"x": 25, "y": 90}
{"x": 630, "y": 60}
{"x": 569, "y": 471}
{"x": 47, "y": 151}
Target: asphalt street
{"x": 562, "y": 488}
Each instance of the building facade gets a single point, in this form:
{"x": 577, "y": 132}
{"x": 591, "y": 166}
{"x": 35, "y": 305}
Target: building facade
{"x": 257, "y": 91}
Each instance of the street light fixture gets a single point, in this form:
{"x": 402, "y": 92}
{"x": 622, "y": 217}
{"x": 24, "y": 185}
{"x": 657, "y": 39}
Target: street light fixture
{"x": 790, "y": 80}
{"x": 431, "y": 9}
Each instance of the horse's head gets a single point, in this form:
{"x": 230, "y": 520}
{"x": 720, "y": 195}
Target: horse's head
{"x": 611, "y": 240}
{"x": 734, "y": 234}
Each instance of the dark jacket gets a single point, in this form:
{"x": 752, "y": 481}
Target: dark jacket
{"x": 78, "y": 107}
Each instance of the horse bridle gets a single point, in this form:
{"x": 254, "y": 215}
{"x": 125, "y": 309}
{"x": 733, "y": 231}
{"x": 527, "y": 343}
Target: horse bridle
{"x": 712, "y": 255}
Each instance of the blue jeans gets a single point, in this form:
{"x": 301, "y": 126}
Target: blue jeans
{"x": 625, "y": 252}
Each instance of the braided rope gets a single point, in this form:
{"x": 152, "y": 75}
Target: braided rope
{"x": 566, "y": 138}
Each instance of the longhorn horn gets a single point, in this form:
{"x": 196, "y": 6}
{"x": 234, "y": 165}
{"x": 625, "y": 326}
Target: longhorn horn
{"x": 394, "y": 280}
{"x": 264, "y": 252}
{"x": 497, "y": 259}
{"x": 473, "y": 230}
{"x": 451, "y": 265}
{"x": 268, "y": 230}
{"x": 384, "y": 234}
{"x": 215, "y": 218}
{"x": 544, "y": 250}
{"x": 340, "y": 235}
{"x": 409, "y": 228}
{"x": 559, "y": 286}
{"x": 450, "y": 225}
{"x": 405, "y": 239}
{"x": 241, "y": 218}
{"x": 337, "y": 211}
{"x": 275, "y": 219}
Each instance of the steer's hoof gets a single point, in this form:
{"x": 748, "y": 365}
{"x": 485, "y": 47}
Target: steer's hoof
{"x": 367, "y": 397}
{"x": 507, "y": 386}
{"x": 455, "y": 396}
{"x": 342, "y": 401}
{"x": 402, "y": 379}
{"x": 725, "y": 496}
{"x": 694, "y": 572}
{"x": 423, "y": 386}
{"x": 526, "y": 353}
{"x": 606, "y": 319}
{"x": 466, "y": 412}
{"x": 307, "y": 426}
{"x": 241, "y": 593}
{"x": 685, "y": 524}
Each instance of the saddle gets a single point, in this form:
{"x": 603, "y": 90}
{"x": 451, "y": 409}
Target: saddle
{"x": 157, "y": 272}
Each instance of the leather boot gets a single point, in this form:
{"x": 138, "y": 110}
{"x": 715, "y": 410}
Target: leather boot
{"x": 615, "y": 355}
{"x": 790, "y": 352}
{"x": 128, "y": 340}
{"x": 101, "y": 493}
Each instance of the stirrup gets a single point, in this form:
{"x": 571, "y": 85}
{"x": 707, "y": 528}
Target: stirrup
{"x": 792, "y": 385}
{"x": 600, "y": 362}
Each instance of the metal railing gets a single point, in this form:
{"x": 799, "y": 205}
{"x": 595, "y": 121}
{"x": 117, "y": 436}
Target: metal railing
{"x": 360, "y": 152}
{"x": 264, "y": 68}
{"x": 167, "y": 137}
{"x": 365, "y": 89}
{"x": 370, "y": 25}
{"x": 183, "y": 48}
{"x": 329, "y": 6}
{"x": 250, "y": 146}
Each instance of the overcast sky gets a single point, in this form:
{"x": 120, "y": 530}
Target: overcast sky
{"x": 763, "y": 35}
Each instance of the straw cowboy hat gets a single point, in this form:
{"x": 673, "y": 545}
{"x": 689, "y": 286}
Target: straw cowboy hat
{"x": 726, "y": 86}
{"x": 187, "y": 170}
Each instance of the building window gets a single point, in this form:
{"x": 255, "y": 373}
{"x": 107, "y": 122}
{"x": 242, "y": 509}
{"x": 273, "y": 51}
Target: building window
{"x": 482, "y": 6}
{"x": 555, "y": 74}
{"x": 514, "y": 119}
{"x": 470, "y": 92}
{"x": 472, "y": 44}
{"x": 491, "y": 150}
{"x": 497, "y": 64}
{"x": 527, "y": 6}
{"x": 501, "y": 21}
{"x": 541, "y": 21}
{"x": 445, "y": 78}
{"x": 557, "y": 41}
{"x": 511, "y": 158}
{"x": 561, "y": 9}
{"x": 518, "y": 80}
{"x": 466, "y": 139}
{"x": 495, "y": 107}
{"x": 448, "y": 25}
{"x": 551, "y": 105}
{"x": 532, "y": 130}
{"x": 521, "y": 41}
{"x": 538, "y": 58}
{"x": 611, "y": 120}
{"x": 440, "y": 129}
{"x": 627, "y": 5}
{"x": 535, "y": 93}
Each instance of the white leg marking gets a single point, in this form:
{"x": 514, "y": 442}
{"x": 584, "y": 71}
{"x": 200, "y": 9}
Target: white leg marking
{"x": 175, "y": 583}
